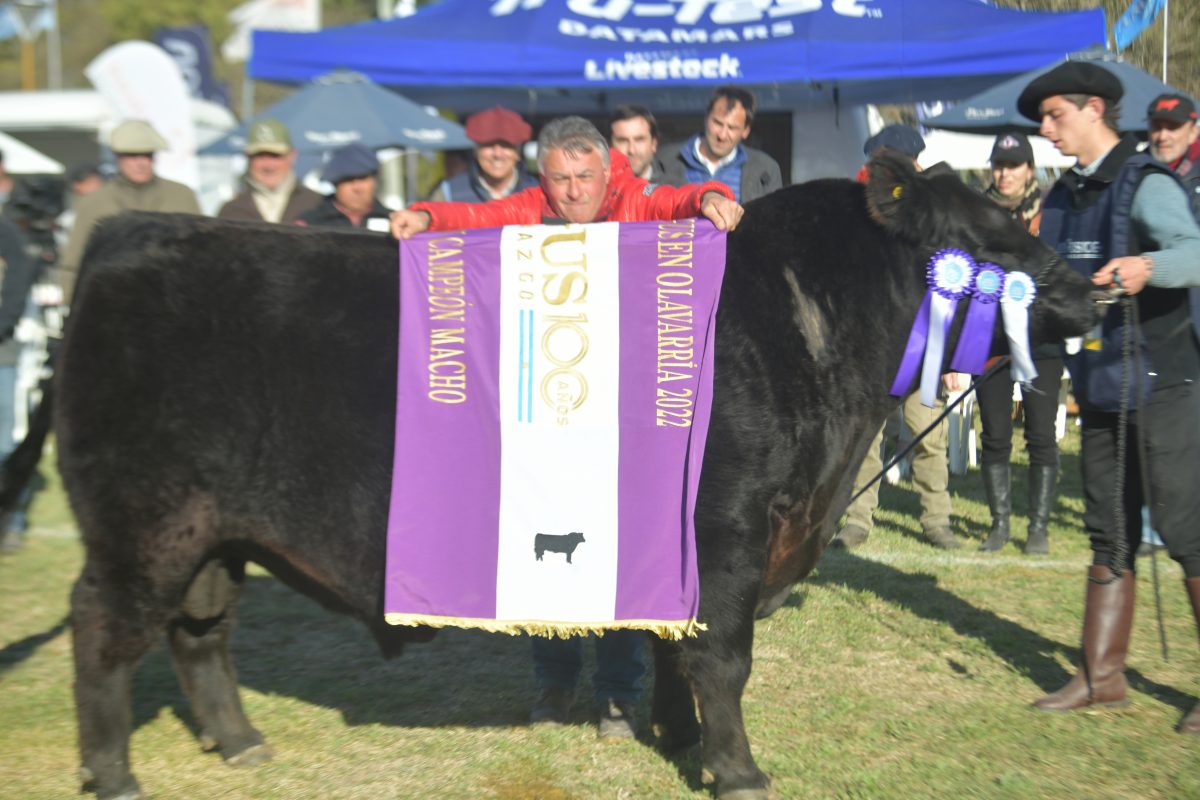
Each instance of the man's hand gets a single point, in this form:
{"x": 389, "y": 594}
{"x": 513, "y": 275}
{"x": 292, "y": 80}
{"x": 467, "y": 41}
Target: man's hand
{"x": 954, "y": 382}
{"x": 723, "y": 212}
{"x": 1128, "y": 272}
{"x": 407, "y": 224}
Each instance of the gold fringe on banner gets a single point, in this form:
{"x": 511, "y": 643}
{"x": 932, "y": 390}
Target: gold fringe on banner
{"x": 664, "y": 629}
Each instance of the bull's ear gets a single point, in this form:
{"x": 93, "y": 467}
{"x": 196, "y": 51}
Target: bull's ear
{"x": 940, "y": 168}
{"x": 892, "y": 186}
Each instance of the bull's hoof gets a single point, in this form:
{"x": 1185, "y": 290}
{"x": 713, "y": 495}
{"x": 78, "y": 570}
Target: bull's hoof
{"x": 745, "y": 794}
{"x": 251, "y": 757}
{"x": 737, "y": 789}
{"x": 130, "y": 790}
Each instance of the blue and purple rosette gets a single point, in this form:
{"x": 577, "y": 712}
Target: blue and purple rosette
{"x": 950, "y": 275}
{"x": 975, "y": 341}
{"x": 1019, "y": 294}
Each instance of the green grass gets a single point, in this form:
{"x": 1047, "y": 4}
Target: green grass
{"x": 895, "y": 671}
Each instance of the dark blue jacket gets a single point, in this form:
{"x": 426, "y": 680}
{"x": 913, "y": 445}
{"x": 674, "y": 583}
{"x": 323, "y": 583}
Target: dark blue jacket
{"x": 1087, "y": 219}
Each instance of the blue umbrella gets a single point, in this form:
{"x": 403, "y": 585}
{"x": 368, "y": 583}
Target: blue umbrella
{"x": 995, "y": 110}
{"x": 343, "y": 107}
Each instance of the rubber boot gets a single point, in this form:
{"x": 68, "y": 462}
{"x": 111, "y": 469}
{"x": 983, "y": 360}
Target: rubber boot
{"x": 997, "y": 485}
{"x": 1191, "y": 723}
{"x": 1107, "y": 620}
{"x": 1041, "y": 500}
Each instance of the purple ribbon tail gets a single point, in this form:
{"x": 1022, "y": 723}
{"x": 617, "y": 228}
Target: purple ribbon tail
{"x": 914, "y": 351}
{"x": 975, "y": 341}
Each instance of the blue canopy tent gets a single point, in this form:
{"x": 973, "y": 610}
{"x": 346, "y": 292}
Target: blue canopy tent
{"x": 817, "y": 61}
{"x": 995, "y": 110}
{"x": 872, "y": 50}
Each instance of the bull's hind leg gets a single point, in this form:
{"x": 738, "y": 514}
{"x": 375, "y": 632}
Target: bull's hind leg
{"x": 717, "y": 664}
{"x": 107, "y": 643}
{"x": 200, "y": 649}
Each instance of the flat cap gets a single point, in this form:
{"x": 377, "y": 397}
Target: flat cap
{"x": 354, "y": 160}
{"x": 498, "y": 124}
{"x": 268, "y": 136}
{"x": 136, "y": 136}
{"x": 896, "y": 137}
{"x": 1173, "y": 107}
{"x": 1069, "y": 77}
{"x": 1013, "y": 147}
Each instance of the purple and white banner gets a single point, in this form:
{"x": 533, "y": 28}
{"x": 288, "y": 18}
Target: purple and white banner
{"x": 553, "y": 398}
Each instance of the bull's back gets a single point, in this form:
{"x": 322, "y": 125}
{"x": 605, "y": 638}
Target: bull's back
{"x": 243, "y": 374}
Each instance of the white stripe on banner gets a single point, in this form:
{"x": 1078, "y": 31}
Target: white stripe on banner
{"x": 560, "y": 328}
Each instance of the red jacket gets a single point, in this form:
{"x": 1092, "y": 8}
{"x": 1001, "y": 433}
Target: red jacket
{"x": 628, "y": 200}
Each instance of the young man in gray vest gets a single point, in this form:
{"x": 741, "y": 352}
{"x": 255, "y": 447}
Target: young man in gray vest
{"x": 1122, "y": 218}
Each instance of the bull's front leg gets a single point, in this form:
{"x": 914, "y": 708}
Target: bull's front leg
{"x": 717, "y": 664}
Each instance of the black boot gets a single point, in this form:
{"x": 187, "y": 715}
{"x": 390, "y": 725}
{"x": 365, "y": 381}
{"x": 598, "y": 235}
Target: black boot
{"x": 1191, "y": 723}
{"x": 1041, "y": 500}
{"x": 997, "y": 485}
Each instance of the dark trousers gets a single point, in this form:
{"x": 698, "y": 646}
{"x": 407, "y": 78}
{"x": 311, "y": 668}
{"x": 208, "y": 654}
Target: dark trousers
{"x": 1170, "y": 424}
{"x": 620, "y": 664}
{"x": 1041, "y": 407}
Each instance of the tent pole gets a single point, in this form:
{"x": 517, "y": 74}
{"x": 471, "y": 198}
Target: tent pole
{"x": 247, "y": 97}
{"x": 1166, "y": 30}
{"x": 410, "y": 176}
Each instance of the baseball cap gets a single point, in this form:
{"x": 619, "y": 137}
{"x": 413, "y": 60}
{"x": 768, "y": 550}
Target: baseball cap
{"x": 1013, "y": 147}
{"x": 1069, "y": 77}
{"x": 498, "y": 124}
{"x": 268, "y": 136}
{"x": 136, "y": 136}
{"x": 1173, "y": 107}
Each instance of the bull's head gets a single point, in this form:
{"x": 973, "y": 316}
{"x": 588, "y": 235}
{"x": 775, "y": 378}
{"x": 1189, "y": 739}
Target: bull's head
{"x": 934, "y": 210}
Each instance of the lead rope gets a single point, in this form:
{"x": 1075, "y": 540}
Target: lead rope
{"x": 1131, "y": 359}
{"x": 1139, "y": 369}
{"x": 896, "y": 459}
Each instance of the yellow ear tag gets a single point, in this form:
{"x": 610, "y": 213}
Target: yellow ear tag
{"x": 897, "y": 190}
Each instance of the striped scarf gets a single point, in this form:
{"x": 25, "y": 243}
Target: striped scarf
{"x": 1024, "y": 208}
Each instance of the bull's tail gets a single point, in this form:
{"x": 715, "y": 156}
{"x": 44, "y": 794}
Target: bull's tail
{"x": 18, "y": 469}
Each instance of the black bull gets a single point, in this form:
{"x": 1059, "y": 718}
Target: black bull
{"x": 226, "y": 393}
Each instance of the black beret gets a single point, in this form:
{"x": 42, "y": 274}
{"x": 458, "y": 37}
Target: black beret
{"x": 896, "y": 137}
{"x": 1069, "y": 77}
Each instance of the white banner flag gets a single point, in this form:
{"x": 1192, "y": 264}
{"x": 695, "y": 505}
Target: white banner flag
{"x": 273, "y": 15}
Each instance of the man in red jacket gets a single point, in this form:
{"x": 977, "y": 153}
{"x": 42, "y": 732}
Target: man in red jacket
{"x": 581, "y": 181}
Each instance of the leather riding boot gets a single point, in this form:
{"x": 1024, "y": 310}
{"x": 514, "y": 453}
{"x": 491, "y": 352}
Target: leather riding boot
{"x": 1191, "y": 723}
{"x": 1041, "y": 500}
{"x": 1107, "y": 620}
{"x": 997, "y": 485}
